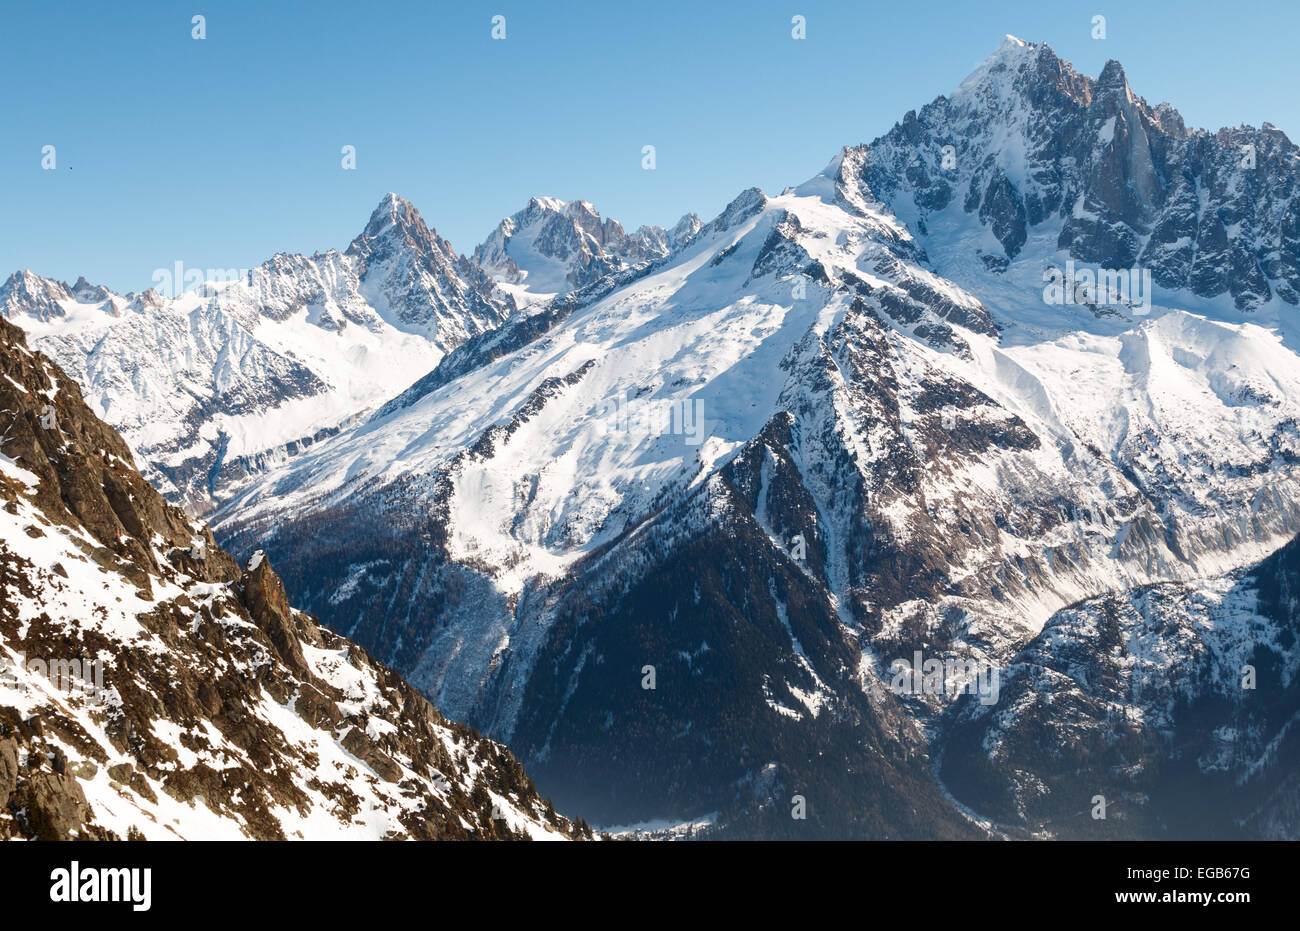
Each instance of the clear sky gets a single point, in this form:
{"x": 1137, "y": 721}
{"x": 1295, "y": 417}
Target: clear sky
{"x": 219, "y": 153}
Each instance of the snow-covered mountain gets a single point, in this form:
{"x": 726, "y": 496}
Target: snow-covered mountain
{"x": 551, "y": 247}
{"x": 1029, "y": 161}
{"x": 150, "y": 687}
{"x": 951, "y": 494}
{"x": 668, "y": 527}
{"x": 218, "y": 382}
{"x": 793, "y": 449}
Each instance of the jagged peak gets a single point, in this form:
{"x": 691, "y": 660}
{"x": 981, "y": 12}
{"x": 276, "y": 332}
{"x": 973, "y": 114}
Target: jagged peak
{"x": 750, "y": 197}
{"x": 28, "y": 279}
{"x": 689, "y": 223}
{"x": 1017, "y": 68}
{"x": 549, "y": 206}
{"x": 1010, "y": 54}
{"x": 552, "y": 216}
{"x": 86, "y": 292}
{"x": 545, "y": 203}
{"x": 27, "y": 293}
{"x": 745, "y": 204}
{"x": 1112, "y": 74}
{"x": 392, "y": 210}
{"x": 395, "y": 224}
{"x": 575, "y": 207}
{"x": 1113, "y": 80}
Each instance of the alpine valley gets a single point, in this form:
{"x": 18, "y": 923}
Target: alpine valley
{"x": 661, "y": 511}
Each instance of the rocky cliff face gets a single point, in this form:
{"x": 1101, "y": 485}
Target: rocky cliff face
{"x": 1028, "y": 146}
{"x": 415, "y": 278}
{"x": 152, "y": 687}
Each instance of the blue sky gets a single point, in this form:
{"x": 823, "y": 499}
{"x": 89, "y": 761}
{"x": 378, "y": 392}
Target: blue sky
{"x": 221, "y": 152}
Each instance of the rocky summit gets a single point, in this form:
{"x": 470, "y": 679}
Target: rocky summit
{"x": 1048, "y": 160}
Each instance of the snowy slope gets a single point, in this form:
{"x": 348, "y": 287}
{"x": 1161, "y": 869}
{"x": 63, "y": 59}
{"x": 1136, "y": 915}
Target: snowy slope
{"x": 215, "y": 710}
{"x": 1176, "y": 393}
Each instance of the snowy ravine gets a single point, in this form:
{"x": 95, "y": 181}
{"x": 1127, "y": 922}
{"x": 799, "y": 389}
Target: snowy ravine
{"x": 151, "y": 688}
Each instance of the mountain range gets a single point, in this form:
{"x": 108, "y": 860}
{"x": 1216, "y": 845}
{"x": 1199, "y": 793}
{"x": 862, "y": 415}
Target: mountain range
{"x": 664, "y": 512}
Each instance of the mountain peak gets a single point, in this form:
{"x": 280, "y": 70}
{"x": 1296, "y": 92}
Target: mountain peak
{"x": 25, "y": 292}
{"x": 417, "y": 281}
{"x": 1113, "y": 80}
{"x": 392, "y": 210}
{"x": 87, "y": 293}
{"x": 396, "y": 226}
{"x": 544, "y": 203}
{"x": 1007, "y": 57}
{"x": 553, "y": 246}
{"x": 25, "y": 277}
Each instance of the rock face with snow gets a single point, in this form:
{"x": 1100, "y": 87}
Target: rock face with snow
{"x": 551, "y": 246}
{"x": 416, "y": 281}
{"x": 1045, "y": 158}
{"x": 220, "y": 382}
{"x": 151, "y": 687}
{"x": 1166, "y": 697}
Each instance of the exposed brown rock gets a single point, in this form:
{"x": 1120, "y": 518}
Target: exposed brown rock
{"x": 227, "y": 650}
